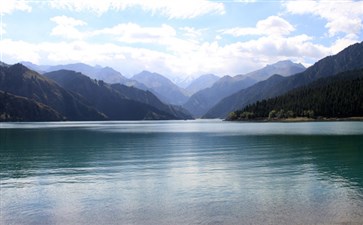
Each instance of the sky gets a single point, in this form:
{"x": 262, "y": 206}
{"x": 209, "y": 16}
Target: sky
{"x": 181, "y": 39}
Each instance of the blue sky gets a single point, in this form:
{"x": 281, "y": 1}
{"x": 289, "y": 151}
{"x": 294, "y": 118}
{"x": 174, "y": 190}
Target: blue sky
{"x": 179, "y": 39}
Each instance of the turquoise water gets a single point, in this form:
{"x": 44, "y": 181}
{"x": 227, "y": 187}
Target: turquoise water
{"x": 181, "y": 172}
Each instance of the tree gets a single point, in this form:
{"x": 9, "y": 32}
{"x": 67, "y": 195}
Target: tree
{"x": 232, "y": 116}
{"x": 272, "y": 114}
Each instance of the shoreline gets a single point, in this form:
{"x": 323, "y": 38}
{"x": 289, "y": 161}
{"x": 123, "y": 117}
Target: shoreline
{"x": 302, "y": 119}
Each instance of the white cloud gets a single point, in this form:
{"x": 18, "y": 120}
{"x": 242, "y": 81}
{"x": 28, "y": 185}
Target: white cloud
{"x": 134, "y": 33}
{"x": 272, "y": 25}
{"x": 80, "y": 51}
{"x": 182, "y": 9}
{"x": 67, "y": 21}
{"x": 9, "y": 6}
{"x": 185, "y": 50}
{"x": 288, "y": 47}
{"x": 192, "y": 33}
{"x": 98, "y": 7}
{"x": 341, "y": 16}
{"x": 172, "y": 8}
{"x": 181, "y": 52}
{"x": 245, "y": 1}
{"x": 16, "y": 51}
{"x": 342, "y": 43}
{"x": 66, "y": 27}
{"x": 183, "y": 58}
{"x": 2, "y": 28}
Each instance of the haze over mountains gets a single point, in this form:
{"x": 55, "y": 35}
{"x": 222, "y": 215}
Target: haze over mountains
{"x": 202, "y": 82}
{"x": 107, "y": 74}
{"x": 202, "y": 101}
{"x": 162, "y": 87}
{"x": 75, "y": 92}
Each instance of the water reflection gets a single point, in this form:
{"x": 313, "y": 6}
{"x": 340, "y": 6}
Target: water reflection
{"x": 105, "y": 175}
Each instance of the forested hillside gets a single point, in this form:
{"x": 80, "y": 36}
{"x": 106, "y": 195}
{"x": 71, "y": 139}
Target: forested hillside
{"x": 338, "y": 97}
{"x": 351, "y": 58}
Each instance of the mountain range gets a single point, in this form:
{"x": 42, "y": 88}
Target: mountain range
{"x": 202, "y": 101}
{"x": 338, "y": 96}
{"x": 117, "y": 101}
{"x": 350, "y": 58}
{"x": 170, "y": 93}
{"x": 20, "y": 81}
{"x": 107, "y": 74}
{"x": 162, "y": 87}
{"x": 202, "y": 82}
{"x": 69, "y": 95}
{"x": 283, "y": 68}
{"x": 73, "y": 92}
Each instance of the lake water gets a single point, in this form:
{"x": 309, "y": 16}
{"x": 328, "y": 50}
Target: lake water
{"x": 181, "y": 172}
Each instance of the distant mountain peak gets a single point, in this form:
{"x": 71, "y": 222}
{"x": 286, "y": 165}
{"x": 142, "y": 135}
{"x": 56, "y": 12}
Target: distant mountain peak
{"x": 202, "y": 82}
{"x": 285, "y": 63}
{"x": 162, "y": 87}
{"x": 146, "y": 73}
{"x": 284, "y": 68}
{"x": 151, "y": 75}
{"x": 98, "y": 72}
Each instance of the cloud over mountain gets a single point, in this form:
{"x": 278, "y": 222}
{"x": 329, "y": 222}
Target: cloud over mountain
{"x": 179, "y": 39}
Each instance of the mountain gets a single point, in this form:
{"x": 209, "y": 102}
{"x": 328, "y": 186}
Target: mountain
{"x": 284, "y": 68}
{"x": 350, "y": 58}
{"x": 149, "y": 98}
{"x": 107, "y": 74}
{"x": 3, "y": 64}
{"x": 162, "y": 87}
{"x": 20, "y": 81}
{"x": 202, "y": 82}
{"x": 117, "y": 102}
{"x": 38, "y": 68}
{"x": 16, "y": 108}
{"x": 202, "y": 101}
{"x": 183, "y": 82}
{"x": 339, "y": 96}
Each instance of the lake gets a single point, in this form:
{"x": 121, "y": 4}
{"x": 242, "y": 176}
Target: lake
{"x": 181, "y": 172}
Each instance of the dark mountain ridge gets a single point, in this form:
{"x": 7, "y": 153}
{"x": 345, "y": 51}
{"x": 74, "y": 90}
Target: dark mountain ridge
{"x": 74, "y": 96}
{"x": 149, "y": 98}
{"x": 117, "y": 101}
{"x": 17, "y": 108}
{"x": 339, "y": 96}
{"x": 21, "y": 81}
